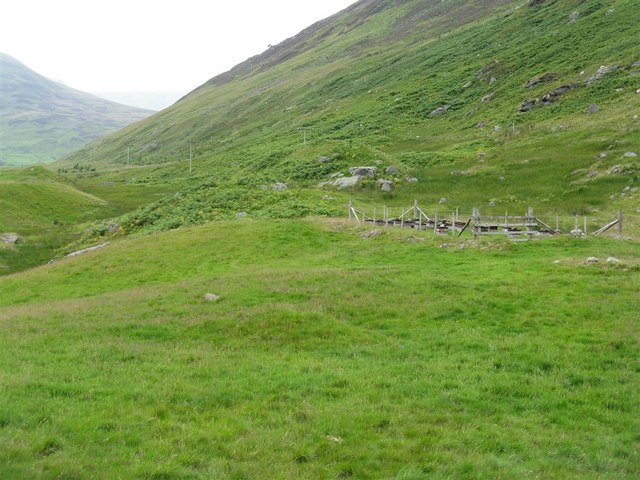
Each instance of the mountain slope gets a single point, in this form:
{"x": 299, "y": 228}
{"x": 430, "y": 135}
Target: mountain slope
{"x": 41, "y": 120}
{"x": 513, "y": 81}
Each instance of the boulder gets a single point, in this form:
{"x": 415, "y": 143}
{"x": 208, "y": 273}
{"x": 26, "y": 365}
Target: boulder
{"x": 410, "y": 179}
{"x": 10, "y": 238}
{"x": 440, "y": 111}
{"x": 279, "y": 186}
{"x": 211, "y": 297}
{"x": 592, "y": 260}
{"x": 345, "y": 182}
{"x": 391, "y": 170}
{"x": 573, "y": 16}
{"x": 630, "y": 154}
{"x": 593, "y": 108}
{"x": 386, "y": 185}
{"x": 363, "y": 171}
{"x": 613, "y": 260}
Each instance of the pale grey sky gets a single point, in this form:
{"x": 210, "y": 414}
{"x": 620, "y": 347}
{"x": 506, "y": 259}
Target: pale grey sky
{"x": 148, "y": 45}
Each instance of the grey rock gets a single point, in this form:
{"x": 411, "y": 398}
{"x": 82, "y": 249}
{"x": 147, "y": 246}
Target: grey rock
{"x": 410, "y": 179}
{"x": 487, "y": 98}
{"x": 324, "y": 160}
{"x": 442, "y": 200}
{"x": 391, "y": 170}
{"x": 345, "y": 182}
{"x": 576, "y": 232}
{"x": 279, "y": 186}
{"x": 211, "y": 297}
{"x": 386, "y": 185}
{"x": 613, "y": 260}
{"x": 592, "y": 260}
{"x": 440, "y": 111}
{"x": 593, "y": 108}
{"x": 493, "y": 80}
{"x": 10, "y": 238}
{"x": 481, "y": 124}
{"x": 364, "y": 171}
{"x": 593, "y": 174}
{"x": 603, "y": 155}
{"x": 573, "y": 16}
{"x": 626, "y": 189}
{"x": 491, "y": 203}
{"x": 630, "y": 154}
{"x": 601, "y": 72}
{"x": 636, "y": 64}
{"x": 336, "y": 175}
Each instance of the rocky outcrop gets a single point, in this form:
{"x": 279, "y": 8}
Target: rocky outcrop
{"x": 601, "y": 72}
{"x": 544, "y": 78}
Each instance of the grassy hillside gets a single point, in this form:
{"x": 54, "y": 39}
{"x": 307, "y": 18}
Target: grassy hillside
{"x": 48, "y": 213}
{"x": 361, "y": 87}
{"x": 41, "y": 120}
{"x": 385, "y": 356}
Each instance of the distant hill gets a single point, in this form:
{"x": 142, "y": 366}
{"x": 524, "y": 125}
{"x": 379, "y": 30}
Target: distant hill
{"x": 41, "y": 120}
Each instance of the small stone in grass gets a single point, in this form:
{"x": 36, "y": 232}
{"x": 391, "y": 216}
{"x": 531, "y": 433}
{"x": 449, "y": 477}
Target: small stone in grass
{"x": 211, "y": 297}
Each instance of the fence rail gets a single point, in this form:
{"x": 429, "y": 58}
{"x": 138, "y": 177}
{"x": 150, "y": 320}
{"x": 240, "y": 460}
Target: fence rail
{"x": 515, "y": 227}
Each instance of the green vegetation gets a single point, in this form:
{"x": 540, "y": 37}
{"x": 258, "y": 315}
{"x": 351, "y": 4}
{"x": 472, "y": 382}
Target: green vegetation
{"x": 337, "y": 351}
{"x": 329, "y": 355}
{"x": 48, "y": 213}
{"x": 363, "y": 84}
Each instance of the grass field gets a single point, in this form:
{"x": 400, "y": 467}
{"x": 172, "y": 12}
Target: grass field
{"x": 329, "y": 355}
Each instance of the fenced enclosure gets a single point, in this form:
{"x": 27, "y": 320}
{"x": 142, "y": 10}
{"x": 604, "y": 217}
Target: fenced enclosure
{"x": 515, "y": 227}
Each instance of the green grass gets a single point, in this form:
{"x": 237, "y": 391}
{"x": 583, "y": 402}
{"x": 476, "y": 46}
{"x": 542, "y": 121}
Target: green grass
{"x": 328, "y": 356}
{"x": 49, "y": 213}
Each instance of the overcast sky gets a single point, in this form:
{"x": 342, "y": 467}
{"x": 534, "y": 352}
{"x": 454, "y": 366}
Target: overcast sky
{"x": 148, "y": 45}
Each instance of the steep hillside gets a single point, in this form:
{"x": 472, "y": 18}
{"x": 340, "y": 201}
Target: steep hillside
{"x": 41, "y": 120}
{"x": 497, "y": 93}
